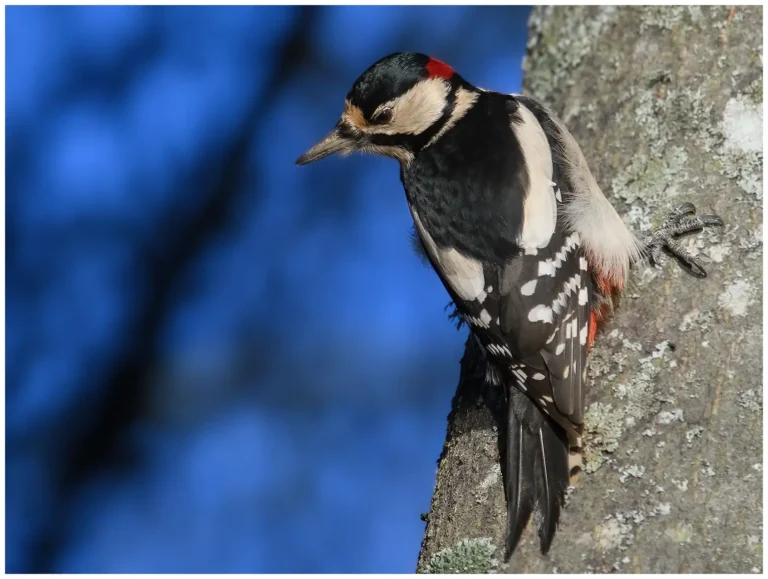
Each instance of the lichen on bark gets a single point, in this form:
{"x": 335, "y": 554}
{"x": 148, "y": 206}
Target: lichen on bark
{"x": 664, "y": 101}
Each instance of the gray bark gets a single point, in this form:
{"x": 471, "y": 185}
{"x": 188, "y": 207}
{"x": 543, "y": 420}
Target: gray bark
{"x": 667, "y": 105}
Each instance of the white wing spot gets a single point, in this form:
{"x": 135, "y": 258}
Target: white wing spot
{"x": 548, "y": 398}
{"x": 566, "y": 372}
{"x": 583, "y": 335}
{"x": 562, "y": 298}
{"x": 560, "y": 348}
{"x": 582, "y": 296}
{"x": 582, "y": 264}
{"x": 485, "y": 317}
{"x": 527, "y": 289}
{"x": 531, "y": 251}
{"x": 538, "y": 376}
{"x": 558, "y": 196}
{"x": 489, "y": 289}
{"x": 546, "y": 267}
{"x": 540, "y": 314}
{"x": 549, "y": 267}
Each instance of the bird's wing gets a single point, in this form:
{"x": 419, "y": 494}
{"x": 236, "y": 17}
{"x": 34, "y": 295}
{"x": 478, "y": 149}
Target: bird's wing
{"x": 609, "y": 245}
{"x": 533, "y": 308}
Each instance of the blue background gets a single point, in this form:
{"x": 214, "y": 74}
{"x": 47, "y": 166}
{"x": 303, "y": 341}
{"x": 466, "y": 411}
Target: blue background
{"x": 218, "y": 361}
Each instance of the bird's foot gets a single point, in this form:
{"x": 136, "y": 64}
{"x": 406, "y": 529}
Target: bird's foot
{"x": 681, "y": 221}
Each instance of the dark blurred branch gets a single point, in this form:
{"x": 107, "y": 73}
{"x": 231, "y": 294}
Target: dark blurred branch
{"x": 184, "y": 242}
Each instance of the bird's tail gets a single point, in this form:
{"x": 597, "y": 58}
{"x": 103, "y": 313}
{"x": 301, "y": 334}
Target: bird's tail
{"x": 537, "y": 470}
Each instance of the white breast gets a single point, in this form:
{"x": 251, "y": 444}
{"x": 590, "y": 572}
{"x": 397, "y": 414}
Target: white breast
{"x": 464, "y": 274}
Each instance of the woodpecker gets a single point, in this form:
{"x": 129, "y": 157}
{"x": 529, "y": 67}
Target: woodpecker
{"x": 532, "y": 254}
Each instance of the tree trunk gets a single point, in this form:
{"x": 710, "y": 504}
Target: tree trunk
{"x": 666, "y": 103}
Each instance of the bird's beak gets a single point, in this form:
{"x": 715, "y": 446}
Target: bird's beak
{"x": 333, "y": 143}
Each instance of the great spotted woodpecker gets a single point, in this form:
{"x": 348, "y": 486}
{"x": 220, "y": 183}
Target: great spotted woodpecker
{"x": 531, "y": 252}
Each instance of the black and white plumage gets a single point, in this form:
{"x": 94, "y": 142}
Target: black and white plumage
{"x": 525, "y": 291}
{"x": 516, "y": 227}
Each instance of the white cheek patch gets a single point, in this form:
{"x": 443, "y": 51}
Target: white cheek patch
{"x": 416, "y": 110}
{"x": 540, "y": 208}
{"x": 464, "y": 274}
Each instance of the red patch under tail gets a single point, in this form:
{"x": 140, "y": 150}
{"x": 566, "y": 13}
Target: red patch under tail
{"x": 610, "y": 290}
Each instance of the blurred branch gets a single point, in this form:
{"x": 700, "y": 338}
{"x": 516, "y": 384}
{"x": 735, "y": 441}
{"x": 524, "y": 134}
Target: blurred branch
{"x": 184, "y": 242}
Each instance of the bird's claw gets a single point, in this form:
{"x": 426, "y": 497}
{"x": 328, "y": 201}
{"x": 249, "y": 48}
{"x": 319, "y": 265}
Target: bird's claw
{"x": 681, "y": 221}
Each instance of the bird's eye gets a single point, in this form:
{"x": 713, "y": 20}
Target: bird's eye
{"x": 383, "y": 116}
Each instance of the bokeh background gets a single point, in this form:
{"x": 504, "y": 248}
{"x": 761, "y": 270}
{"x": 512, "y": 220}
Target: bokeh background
{"x": 217, "y": 361}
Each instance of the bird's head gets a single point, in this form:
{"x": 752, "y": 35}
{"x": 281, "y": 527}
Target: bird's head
{"x": 396, "y": 108}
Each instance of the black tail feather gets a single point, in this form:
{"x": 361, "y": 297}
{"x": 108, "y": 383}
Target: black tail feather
{"x": 520, "y": 485}
{"x": 552, "y": 479}
{"x": 537, "y": 471}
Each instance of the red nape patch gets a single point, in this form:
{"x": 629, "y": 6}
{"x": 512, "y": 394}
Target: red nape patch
{"x": 439, "y": 68}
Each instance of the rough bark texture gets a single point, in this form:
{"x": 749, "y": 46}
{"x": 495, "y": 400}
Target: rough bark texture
{"x": 667, "y": 105}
